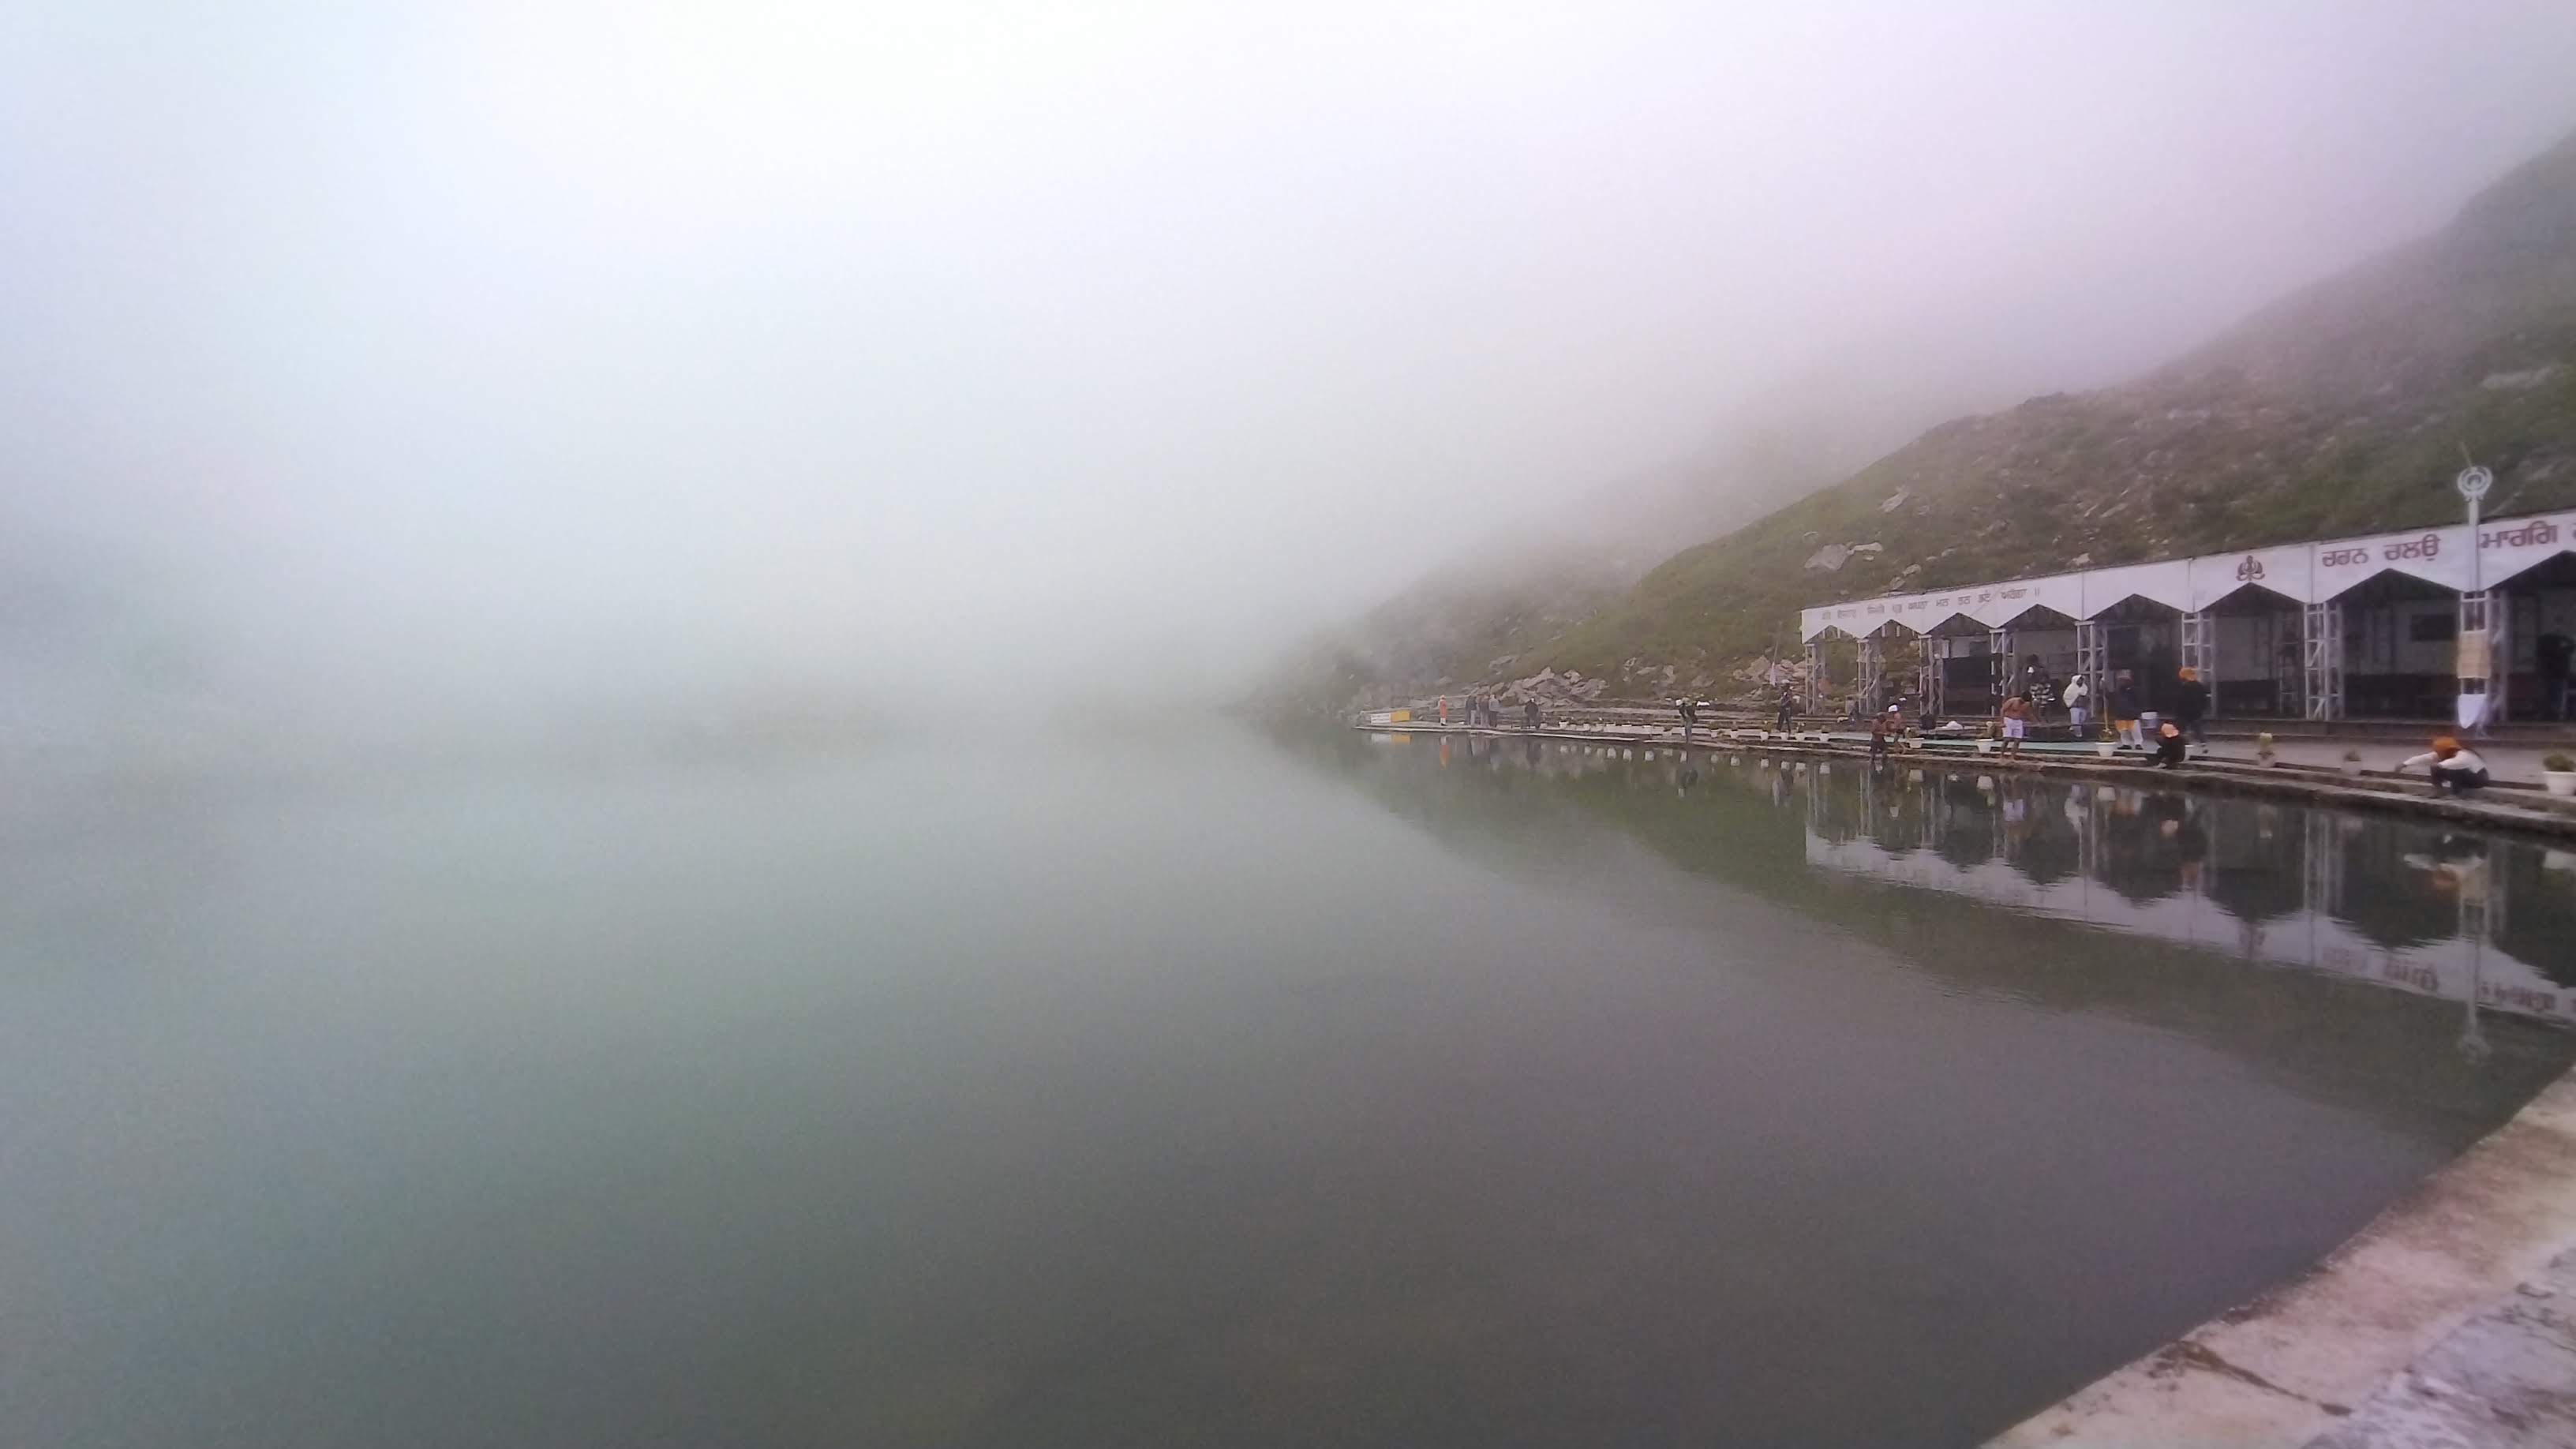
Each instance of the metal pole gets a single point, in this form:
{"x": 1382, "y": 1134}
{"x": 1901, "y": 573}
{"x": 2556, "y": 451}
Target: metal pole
{"x": 2473, "y": 482}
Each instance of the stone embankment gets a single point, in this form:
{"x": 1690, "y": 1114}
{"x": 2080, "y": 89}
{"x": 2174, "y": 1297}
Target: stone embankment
{"x": 2508, "y": 806}
{"x": 2449, "y": 1321}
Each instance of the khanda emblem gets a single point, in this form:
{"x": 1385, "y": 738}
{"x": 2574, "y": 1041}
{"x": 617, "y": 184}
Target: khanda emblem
{"x": 2249, "y": 571}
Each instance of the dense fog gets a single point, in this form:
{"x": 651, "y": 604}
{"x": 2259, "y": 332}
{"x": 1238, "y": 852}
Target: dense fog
{"x": 379, "y": 377}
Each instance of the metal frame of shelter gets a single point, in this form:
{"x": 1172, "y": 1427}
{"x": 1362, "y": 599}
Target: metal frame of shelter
{"x": 2312, "y": 577}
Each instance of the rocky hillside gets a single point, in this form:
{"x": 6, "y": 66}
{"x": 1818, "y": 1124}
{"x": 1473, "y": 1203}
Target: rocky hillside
{"x": 2342, "y": 408}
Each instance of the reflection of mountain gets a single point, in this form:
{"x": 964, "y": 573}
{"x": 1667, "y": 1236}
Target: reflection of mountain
{"x": 1989, "y": 901}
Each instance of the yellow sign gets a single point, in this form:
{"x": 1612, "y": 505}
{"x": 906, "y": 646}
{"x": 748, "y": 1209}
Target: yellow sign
{"x": 2474, "y": 654}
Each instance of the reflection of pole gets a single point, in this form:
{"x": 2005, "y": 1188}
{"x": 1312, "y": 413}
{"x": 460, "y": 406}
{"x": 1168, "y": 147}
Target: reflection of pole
{"x": 2473, "y": 924}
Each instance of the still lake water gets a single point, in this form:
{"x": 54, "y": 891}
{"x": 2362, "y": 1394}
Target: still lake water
{"x": 1204, "y": 1090}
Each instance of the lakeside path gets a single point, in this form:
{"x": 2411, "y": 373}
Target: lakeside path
{"x": 2449, "y": 1321}
{"x": 2312, "y": 774}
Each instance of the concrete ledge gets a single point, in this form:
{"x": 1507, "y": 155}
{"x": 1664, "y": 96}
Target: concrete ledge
{"x": 2293, "y": 1364}
{"x": 2528, "y": 813}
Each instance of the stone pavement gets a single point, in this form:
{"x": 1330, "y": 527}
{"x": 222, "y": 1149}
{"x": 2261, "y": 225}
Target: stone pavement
{"x": 2520, "y": 763}
{"x": 2446, "y": 1321}
{"x": 2506, "y": 1379}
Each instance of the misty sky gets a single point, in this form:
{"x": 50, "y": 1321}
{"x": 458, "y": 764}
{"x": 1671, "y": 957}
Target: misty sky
{"x": 396, "y": 360}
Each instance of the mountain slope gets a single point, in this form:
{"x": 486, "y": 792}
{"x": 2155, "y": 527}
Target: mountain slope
{"x": 2342, "y": 408}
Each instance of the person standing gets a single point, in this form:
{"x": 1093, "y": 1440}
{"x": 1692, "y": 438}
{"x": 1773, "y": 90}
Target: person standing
{"x": 1788, "y": 711}
{"x": 1529, "y": 714}
{"x": 2037, "y": 687}
{"x": 1444, "y": 711}
{"x": 2191, "y": 706}
{"x": 2557, "y": 658}
{"x": 2016, "y": 722}
{"x": 2125, "y": 715}
{"x": 2079, "y": 699}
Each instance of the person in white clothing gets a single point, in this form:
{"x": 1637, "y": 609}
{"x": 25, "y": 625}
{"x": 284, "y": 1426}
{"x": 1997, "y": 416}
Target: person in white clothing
{"x": 2079, "y": 706}
{"x": 2454, "y": 769}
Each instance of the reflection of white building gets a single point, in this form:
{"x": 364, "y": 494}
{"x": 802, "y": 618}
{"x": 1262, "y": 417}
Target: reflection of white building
{"x": 2459, "y": 968}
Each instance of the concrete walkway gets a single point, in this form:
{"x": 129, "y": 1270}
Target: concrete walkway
{"x": 2519, "y": 763}
{"x": 2511, "y": 806}
{"x": 2448, "y": 1313}
{"x": 2504, "y": 1380}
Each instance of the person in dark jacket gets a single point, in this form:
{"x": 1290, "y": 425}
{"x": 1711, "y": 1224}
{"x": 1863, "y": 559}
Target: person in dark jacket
{"x": 2169, "y": 745}
{"x": 2191, "y": 706}
{"x": 2555, "y": 653}
{"x": 1788, "y": 711}
{"x": 2125, "y": 707}
{"x": 2039, "y": 687}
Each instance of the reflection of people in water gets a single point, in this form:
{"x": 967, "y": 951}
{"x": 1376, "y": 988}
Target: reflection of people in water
{"x": 2457, "y": 865}
{"x": 2140, "y": 845}
{"x": 2191, "y": 844}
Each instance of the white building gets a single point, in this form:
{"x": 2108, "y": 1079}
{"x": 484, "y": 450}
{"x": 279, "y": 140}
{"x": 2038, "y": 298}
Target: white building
{"x": 2382, "y": 627}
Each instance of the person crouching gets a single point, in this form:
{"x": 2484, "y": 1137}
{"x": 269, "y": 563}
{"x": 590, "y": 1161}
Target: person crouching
{"x": 2455, "y": 771}
{"x": 1883, "y": 732}
{"x": 2170, "y": 745}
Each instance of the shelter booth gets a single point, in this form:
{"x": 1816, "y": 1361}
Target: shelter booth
{"x": 2040, "y": 633}
{"x": 2258, "y": 651}
{"x": 2401, "y": 638}
{"x": 2427, "y": 624}
{"x": 2538, "y": 603}
{"x": 2140, "y": 637}
{"x": 1878, "y": 675}
{"x": 1821, "y": 648}
{"x": 1958, "y": 668}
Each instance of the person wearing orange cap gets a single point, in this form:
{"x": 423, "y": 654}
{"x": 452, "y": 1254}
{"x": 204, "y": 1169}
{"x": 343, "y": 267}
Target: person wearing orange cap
{"x": 2191, "y": 707}
{"x": 2455, "y": 770}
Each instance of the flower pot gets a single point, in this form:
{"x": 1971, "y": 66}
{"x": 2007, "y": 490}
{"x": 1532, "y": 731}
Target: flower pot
{"x": 1985, "y": 747}
{"x": 2352, "y": 769}
{"x": 2105, "y": 748}
{"x": 2561, "y": 783}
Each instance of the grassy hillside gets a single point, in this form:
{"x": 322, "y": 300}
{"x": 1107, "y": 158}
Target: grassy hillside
{"x": 2341, "y": 408}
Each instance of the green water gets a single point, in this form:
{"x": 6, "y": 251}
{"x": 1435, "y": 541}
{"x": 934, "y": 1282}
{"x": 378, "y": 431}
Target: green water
{"x": 1198, "y": 1090}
